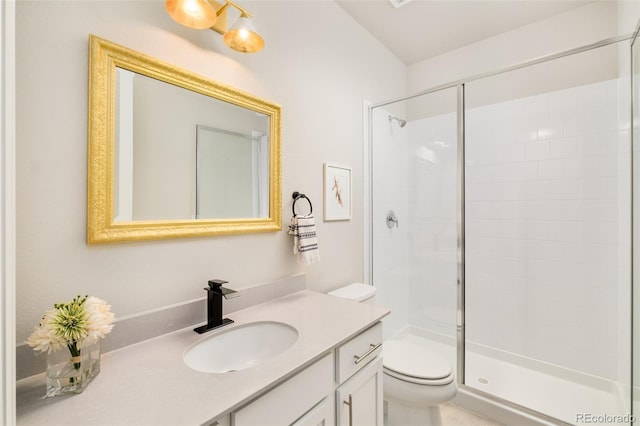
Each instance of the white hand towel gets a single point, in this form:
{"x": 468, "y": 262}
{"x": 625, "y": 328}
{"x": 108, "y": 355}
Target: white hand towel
{"x": 305, "y": 242}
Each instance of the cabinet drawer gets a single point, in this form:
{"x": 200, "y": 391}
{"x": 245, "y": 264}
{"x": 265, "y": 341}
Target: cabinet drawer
{"x": 357, "y": 352}
{"x": 290, "y": 400}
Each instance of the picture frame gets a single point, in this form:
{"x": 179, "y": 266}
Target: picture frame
{"x": 337, "y": 192}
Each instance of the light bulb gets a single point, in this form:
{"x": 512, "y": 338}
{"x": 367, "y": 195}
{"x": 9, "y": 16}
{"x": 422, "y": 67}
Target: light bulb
{"x": 196, "y": 14}
{"x": 191, "y": 6}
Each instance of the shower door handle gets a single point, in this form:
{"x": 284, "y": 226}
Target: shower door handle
{"x": 391, "y": 219}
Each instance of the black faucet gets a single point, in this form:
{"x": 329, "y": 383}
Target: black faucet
{"x": 215, "y": 292}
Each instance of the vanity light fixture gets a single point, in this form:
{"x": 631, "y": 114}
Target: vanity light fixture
{"x": 197, "y": 14}
{"x": 202, "y": 14}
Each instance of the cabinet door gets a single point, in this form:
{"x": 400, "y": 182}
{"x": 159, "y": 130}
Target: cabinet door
{"x": 359, "y": 399}
{"x": 221, "y": 421}
{"x": 320, "y": 415}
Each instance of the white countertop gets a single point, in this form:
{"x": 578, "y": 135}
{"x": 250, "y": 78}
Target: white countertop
{"x": 149, "y": 384}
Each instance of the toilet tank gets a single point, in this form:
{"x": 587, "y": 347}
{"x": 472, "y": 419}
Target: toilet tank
{"x": 358, "y": 292}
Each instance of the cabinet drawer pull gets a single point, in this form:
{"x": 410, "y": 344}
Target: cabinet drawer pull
{"x": 359, "y": 358}
{"x": 350, "y": 405}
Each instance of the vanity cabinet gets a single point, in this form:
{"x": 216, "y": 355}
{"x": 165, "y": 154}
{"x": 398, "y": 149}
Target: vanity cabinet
{"x": 342, "y": 388}
{"x": 359, "y": 379}
{"x": 359, "y": 400}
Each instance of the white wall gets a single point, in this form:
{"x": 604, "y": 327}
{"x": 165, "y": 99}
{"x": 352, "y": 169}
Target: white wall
{"x": 593, "y": 22}
{"x": 318, "y": 64}
{"x": 7, "y": 213}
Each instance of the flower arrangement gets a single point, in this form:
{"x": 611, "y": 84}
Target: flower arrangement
{"x": 78, "y": 324}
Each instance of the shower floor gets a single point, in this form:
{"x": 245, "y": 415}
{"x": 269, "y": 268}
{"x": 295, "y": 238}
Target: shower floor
{"x": 555, "y": 391}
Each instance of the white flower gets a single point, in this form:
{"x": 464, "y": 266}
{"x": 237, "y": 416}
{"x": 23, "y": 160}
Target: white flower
{"x": 44, "y": 337}
{"x": 76, "y": 324}
{"x": 99, "y": 320}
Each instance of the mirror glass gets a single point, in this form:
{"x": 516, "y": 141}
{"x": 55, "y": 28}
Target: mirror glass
{"x": 202, "y": 162}
{"x": 232, "y": 169}
{"x": 172, "y": 154}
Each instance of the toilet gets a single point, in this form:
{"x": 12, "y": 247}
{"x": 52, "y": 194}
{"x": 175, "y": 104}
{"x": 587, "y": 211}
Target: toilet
{"x": 416, "y": 379}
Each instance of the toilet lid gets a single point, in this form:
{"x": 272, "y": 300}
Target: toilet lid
{"x": 414, "y": 360}
{"x": 355, "y": 291}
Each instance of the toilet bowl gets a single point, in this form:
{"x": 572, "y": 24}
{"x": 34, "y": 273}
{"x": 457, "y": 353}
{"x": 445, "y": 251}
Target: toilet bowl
{"x": 416, "y": 380}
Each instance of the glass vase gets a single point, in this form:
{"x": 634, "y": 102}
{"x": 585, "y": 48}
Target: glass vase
{"x": 71, "y": 369}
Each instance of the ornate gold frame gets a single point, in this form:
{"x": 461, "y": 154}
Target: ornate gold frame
{"x": 105, "y": 56}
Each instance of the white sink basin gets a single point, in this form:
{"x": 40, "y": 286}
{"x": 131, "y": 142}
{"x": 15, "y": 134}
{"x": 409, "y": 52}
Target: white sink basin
{"x": 240, "y": 347}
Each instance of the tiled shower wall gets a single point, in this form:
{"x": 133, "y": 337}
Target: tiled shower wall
{"x": 542, "y": 227}
{"x": 433, "y": 222}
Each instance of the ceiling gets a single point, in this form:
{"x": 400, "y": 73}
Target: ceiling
{"x": 421, "y": 29}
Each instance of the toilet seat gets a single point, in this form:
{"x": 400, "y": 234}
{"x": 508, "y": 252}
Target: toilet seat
{"x": 415, "y": 363}
{"x": 423, "y": 382}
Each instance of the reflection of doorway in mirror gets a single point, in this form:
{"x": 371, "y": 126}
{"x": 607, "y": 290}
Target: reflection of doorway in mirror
{"x": 231, "y": 174}
{"x": 337, "y": 192}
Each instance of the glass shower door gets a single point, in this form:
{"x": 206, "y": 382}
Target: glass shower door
{"x": 547, "y": 311}
{"x": 414, "y": 181}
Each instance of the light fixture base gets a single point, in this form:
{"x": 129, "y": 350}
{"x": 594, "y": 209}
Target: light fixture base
{"x": 221, "y": 23}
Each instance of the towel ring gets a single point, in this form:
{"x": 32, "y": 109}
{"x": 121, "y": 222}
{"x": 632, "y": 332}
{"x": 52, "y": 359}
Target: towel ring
{"x": 296, "y": 196}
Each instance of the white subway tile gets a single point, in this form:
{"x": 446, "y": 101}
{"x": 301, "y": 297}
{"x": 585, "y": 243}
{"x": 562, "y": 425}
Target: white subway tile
{"x": 549, "y": 123}
{"x": 536, "y": 190}
{"x": 497, "y": 228}
{"x": 526, "y": 171}
{"x": 607, "y": 165}
{"x": 563, "y": 230}
{"x": 552, "y": 251}
{"x": 551, "y": 169}
{"x": 491, "y": 209}
{"x": 528, "y": 209}
{"x": 578, "y": 253}
{"x": 563, "y": 189}
{"x": 600, "y": 188}
{"x": 605, "y": 255}
{"x": 554, "y": 210}
{"x": 598, "y": 232}
{"x": 597, "y": 144}
{"x": 538, "y": 150}
{"x": 579, "y": 167}
{"x": 563, "y": 148}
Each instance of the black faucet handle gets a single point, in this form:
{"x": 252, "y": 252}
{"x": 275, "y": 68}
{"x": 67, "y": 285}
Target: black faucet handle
{"x": 215, "y": 284}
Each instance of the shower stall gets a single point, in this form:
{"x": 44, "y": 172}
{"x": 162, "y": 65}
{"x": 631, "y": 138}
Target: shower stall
{"x": 510, "y": 252}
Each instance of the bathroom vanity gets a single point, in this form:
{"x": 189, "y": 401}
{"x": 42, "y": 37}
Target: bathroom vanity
{"x": 345, "y": 385}
{"x": 333, "y": 372}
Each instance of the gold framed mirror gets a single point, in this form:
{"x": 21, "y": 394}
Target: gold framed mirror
{"x": 173, "y": 154}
